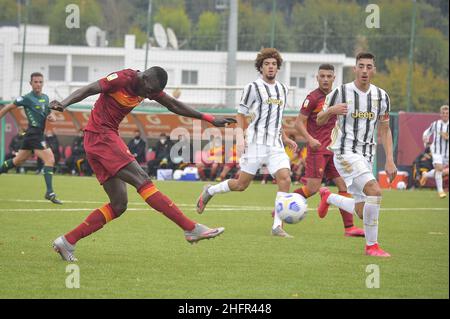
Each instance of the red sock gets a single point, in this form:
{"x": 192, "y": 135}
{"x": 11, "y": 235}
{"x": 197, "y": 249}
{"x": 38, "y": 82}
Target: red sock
{"x": 347, "y": 218}
{"x": 91, "y": 224}
{"x": 163, "y": 204}
{"x": 201, "y": 173}
{"x": 303, "y": 191}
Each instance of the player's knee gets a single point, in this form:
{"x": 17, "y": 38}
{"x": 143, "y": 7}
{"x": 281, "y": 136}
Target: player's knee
{"x": 313, "y": 189}
{"x": 17, "y": 161}
{"x": 376, "y": 192}
{"x": 372, "y": 189}
{"x": 359, "y": 212}
{"x": 141, "y": 177}
{"x": 285, "y": 180}
{"x": 120, "y": 207}
{"x": 241, "y": 186}
{"x": 50, "y": 162}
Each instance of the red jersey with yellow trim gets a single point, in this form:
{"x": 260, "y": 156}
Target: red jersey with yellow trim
{"x": 216, "y": 154}
{"x": 117, "y": 99}
{"x": 233, "y": 155}
{"x": 312, "y": 105}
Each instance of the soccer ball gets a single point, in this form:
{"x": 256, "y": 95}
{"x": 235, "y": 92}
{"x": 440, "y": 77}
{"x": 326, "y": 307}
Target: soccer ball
{"x": 291, "y": 208}
{"x": 401, "y": 185}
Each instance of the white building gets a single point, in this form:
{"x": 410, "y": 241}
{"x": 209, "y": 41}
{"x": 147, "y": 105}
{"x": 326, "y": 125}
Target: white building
{"x": 200, "y": 75}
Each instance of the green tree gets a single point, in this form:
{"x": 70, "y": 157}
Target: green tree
{"x": 8, "y": 11}
{"x": 117, "y": 15}
{"x": 141, "y": 35}
{"x": 90, "y": 14}
{"x": 433, "y": 16}
{"x": 429, "y": 91}
{"x": 253, "y": 28}
{"x": 38, "y": 13}
{"x": 432, "y": 51}
{"x": 392, "y": 39}
{"x": 207, "y": 32}
{"x": 175, "y": 18}
{"x": 195, "y": 8}
{"x": 342, "y": 23}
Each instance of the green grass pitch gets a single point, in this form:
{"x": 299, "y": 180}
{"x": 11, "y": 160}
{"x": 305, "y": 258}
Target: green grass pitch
{"x": 144, "y": 255}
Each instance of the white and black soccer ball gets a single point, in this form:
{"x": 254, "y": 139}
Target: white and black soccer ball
{"x": 401, "y": 185}
{"x": 291, "y": 208}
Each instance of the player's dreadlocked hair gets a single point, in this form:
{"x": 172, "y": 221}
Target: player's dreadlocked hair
{"x": 157, "y": 73}
{"x": 267, "y": 53}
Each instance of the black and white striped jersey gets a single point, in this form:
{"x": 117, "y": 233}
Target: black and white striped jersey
{"x": 355, "y": 132}
{"x": 265, "y": 104}
{"x": 439, "y": 130}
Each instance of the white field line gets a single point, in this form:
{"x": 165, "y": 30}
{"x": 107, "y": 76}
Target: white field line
{"x": 187, "y": 206}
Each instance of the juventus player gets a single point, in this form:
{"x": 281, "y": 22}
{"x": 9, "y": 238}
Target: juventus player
{"x": 319, "y": 160}
{"x": 360, "y": 107}
{"x": 439, "y": 149}
{"x": 264, "y": 100}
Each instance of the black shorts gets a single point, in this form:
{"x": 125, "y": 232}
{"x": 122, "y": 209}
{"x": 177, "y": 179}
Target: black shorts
{"x": 34, "y": 140}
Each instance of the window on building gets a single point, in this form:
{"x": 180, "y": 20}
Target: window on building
{"x": 293, "y": 82}
{"x": 298, "y": 81}
{"x": 80, "y": 74}
{"x": 56, "y": 73}
{"x": 189, "y": 77}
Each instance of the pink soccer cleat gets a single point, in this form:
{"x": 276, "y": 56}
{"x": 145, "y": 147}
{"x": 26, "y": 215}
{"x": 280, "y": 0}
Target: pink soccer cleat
{"x": 203, "y": 199}
{"x": 354, "y": 232}
{"x": 323, "y": 205}
{"x": 376, "y": 251}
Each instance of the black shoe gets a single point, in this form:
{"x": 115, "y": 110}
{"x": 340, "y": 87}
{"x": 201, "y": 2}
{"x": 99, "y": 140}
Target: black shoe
{"x": 52, "y": 197}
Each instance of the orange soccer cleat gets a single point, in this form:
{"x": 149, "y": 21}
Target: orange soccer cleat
{"x": 323, "y": 205}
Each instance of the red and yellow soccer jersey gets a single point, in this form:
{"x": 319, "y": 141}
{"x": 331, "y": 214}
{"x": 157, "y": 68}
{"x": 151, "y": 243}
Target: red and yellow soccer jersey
{"x": 117, "y": 99}
{"x": 312, "y": 105}
{"x": 216, "y": 154}
{"x": 233, "y": 155}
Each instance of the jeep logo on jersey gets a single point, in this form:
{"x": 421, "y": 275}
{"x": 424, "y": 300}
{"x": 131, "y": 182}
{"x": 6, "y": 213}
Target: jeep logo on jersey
{"x": 271, "y": 100}
{"x": 363, "y": 115}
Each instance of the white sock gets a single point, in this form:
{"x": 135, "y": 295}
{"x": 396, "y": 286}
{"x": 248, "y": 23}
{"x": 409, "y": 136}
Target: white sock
{"x": 342, "y": 202}
{"x": 276, "y": 219}
{"x": 371, "y": 212}
{"x": 429, "y": 174}
{"x": 219, "y": 188}
{"x": 438, "y": 177}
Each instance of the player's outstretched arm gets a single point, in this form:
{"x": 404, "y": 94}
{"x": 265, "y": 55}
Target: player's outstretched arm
{"x": 386, "y": 139}
{"x": 180, "y": 108}
{"x": 77, "y": 96}
{"x": 6, "y": 109}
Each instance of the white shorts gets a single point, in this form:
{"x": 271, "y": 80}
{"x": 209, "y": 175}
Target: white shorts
{"x": 255, "y": 155}
{"x": 440, "y": 159}
{"x": 356, "y": 171}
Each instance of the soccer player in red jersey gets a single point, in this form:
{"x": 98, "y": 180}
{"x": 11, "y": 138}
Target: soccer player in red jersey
{"x": 111, "y": 159}
{"x": 319, "y": 161}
